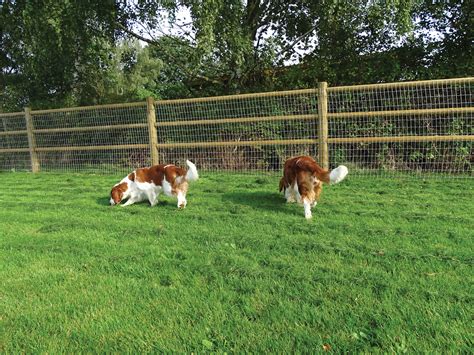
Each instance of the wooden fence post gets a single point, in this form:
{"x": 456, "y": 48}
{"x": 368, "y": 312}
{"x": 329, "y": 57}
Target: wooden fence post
{"x": 35, "y": 165}
{"x": 323, "y": 154}
{"x": 153, "y": 136}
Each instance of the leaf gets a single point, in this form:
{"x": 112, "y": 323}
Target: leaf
{"x": 326, "y": 347}
{"x": 207, "y": 343}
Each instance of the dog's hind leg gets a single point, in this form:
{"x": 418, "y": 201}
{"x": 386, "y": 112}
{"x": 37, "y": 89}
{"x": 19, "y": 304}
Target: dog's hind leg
{"x": 290, "y": 195}
{"x": 318, "y": 188}
{"x": 152, "y": 197}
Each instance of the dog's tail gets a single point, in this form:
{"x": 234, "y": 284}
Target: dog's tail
{"x": 192, "y": 174}
{"x": 329, "y": 177}
{"x": 332, "y": 177}
{"x": 338, "y": 174}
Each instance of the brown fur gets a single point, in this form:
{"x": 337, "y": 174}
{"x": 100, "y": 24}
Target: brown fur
{"x": 118, "y": 191}
{"x": 155, "y": 174}
{"x": 308, "y": 176}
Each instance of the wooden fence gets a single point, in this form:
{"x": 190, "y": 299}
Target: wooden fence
{"x": 421, "y": 126}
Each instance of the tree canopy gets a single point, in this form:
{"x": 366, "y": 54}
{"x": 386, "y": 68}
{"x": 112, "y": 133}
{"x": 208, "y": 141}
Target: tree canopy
{"x": 61, "y": 53}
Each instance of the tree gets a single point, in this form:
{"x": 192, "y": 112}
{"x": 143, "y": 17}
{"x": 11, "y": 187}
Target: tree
{"x": 53, "y": 51}
{"x": 450, "y": 51}
{"x": 62, "y": 53}
{"x": 243, "y": 45}
{"x": 235, "y": 42}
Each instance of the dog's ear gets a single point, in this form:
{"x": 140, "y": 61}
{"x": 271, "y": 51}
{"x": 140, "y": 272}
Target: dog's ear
{"x": 118, "y": 191}
{"x": 116, "y": 195}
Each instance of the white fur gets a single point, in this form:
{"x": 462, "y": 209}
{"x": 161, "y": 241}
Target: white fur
{"x": 127, "y": 194}
{"x": 140, "y": 191}
{"x": 166, "y": 186}
{"x": 292, "y": 194}
{"x": 296, "y": 192}
{"x": 182, "y": 200}
{"x": 338, "y": 174}
{"x": 289, "y": 195}
{"x": 192, "y": 174}
{"x": 307, "y": 209}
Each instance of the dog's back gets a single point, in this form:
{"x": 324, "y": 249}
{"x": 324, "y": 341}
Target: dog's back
{"x": 302, "y": 180}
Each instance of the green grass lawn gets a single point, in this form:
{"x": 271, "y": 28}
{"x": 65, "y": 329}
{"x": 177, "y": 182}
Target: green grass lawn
{"x": 385, "y": 265}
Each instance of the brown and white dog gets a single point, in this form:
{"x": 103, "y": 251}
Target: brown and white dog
{"x": 148, "y": 183}
{"x": 302, "y": 181}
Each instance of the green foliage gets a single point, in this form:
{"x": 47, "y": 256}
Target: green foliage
{"x": 52, "y": 52}
{"x": 133, "y": 73}
{"x": 384, "y": 266}
{"x": 63, "y": 53}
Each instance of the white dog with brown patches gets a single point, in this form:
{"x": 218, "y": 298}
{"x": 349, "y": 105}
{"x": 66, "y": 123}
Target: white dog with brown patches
{"x": 148, "y": 183}
{"x": 302, "y": 181}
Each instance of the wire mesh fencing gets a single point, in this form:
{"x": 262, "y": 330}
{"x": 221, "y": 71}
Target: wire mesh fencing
{"x": 14, "y": 150}
{"x": 411, "y": 128}
{"x": 96, "y": 138}
{"x": 415, "y": 127}
{"x": 240, "y": 132}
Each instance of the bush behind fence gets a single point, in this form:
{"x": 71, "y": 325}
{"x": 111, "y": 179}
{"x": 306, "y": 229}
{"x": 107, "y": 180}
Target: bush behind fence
{"x": 411, "y": 127}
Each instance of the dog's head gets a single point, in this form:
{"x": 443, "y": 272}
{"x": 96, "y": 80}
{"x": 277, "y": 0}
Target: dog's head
{"x": 118, "y": 193}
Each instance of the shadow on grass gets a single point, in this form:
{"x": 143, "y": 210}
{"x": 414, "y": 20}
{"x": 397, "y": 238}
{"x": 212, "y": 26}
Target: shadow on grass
{"x": 105, "y": 201}
{"x": 259, "y": 200}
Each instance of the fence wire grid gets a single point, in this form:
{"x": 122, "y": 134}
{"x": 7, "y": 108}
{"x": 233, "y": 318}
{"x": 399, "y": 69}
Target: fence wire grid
{"x": 411, "y": 128}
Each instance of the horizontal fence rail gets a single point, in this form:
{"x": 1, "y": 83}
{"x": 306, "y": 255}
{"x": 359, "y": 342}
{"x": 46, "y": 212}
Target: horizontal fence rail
{"x": 408, "y": 127}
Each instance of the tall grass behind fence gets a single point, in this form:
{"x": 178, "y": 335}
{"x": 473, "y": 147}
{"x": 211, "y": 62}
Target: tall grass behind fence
{"x": 239, "y": 132}
{"x": 414, "y": 127}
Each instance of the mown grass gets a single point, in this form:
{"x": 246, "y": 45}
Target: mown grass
{"x": 385, "y": 265}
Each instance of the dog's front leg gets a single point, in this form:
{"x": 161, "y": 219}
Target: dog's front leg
{"x": 182, "y": 200}
{"x": 307, "y": 208}
{"x": 130, "y": 201}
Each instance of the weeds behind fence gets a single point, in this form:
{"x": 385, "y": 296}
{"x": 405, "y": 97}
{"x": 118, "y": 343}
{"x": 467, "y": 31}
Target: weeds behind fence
{"x": 411, "y": 127}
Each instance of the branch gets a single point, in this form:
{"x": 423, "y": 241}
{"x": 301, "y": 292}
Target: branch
{"x": 136, "y": 35}
{"x": 257, "y": 45}
{"x": 171, "y": 59}
{"x": 300, "y": 38}
{"x": 186, "y": 32}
